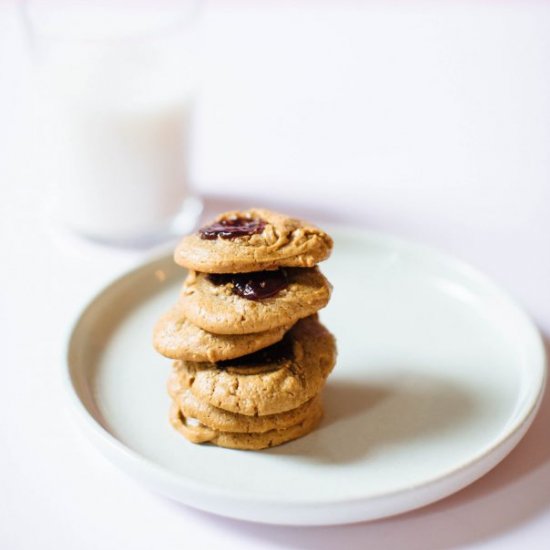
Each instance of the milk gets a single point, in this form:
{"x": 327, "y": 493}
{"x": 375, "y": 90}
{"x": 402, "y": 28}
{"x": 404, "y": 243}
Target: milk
{"x": 116, "y": 108}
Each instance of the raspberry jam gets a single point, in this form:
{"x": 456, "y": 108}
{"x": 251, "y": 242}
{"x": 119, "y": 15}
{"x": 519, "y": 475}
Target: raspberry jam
{"x": 232, "y": 228}
{"x": 277, "y": 353}
{"x": 253, "y": 286}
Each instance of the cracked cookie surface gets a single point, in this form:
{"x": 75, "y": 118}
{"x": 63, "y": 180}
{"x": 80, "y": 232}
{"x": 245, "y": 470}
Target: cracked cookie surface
{"x": 176, "y": 337}
{"x": 198, "y": 433}
{"x": 225, "y": 421}
{"x": 282, "y": 242}
{"x": 269, "y": 387}
{"x": 215, "y": 308}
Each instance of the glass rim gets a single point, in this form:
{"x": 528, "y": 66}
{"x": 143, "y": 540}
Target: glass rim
{"x": 181, "y": 21}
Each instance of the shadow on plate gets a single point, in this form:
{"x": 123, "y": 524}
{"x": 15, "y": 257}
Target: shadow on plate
{"x": 362, "y": 418}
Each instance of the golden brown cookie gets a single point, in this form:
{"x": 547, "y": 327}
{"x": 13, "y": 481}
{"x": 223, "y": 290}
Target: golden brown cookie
{"x": 195, "y": 432}
{"x": 270, "y": 381}
{"x": 216, "y": 308}
{"x": 225, "y": 421}
{"x": 253, "y": 240}
{"x": 176, "y": 337}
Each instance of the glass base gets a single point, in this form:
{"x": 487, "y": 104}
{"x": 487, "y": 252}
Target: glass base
{"x": 184, "y": 222}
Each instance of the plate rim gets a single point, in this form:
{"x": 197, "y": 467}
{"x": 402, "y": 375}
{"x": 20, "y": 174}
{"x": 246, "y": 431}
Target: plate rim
{"x": 155, "y": 472}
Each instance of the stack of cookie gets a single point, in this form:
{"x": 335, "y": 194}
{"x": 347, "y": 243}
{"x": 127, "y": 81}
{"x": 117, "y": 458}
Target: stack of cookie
{"x": 251, "y": 356}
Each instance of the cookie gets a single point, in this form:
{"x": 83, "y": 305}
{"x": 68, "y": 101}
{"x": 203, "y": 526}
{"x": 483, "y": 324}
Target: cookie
{"x": 176, "y": 337}
{"x": 215, "y": 306}
{"x": 270, "y": 381}
{"x": 224, "y": 421}
{"x": 253, "y": 240}
{"x": 195, "y": 432}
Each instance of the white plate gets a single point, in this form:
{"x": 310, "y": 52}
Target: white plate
{"x": 438, "y": 377}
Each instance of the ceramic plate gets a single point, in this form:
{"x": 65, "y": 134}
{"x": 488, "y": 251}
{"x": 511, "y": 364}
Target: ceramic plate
{"x": 439, "y": 375}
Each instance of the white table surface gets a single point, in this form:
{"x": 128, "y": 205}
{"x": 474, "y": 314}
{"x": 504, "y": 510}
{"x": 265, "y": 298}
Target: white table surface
{"x": 427, "y": 120}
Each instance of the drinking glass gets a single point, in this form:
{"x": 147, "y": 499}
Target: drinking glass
{"x": 115, "y": 89}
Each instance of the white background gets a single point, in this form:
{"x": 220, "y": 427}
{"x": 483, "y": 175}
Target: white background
{"x": 430, "y": 120}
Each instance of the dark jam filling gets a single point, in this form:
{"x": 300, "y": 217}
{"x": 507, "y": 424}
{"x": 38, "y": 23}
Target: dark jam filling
{"x": 253, "y": 286}
{"x": 232, "y": 228}
{"x": 277, "y": 353}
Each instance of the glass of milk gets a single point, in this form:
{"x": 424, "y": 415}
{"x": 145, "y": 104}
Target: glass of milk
{"x": 115, "y": 89}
